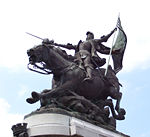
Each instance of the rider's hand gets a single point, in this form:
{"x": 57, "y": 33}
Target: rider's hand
{"x": 69, "y": 44}
{"x": 115, "y": 29}
{"x": 47, "y": 41}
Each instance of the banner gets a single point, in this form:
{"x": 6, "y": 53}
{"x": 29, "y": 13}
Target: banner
{"x": 119, "y": 47}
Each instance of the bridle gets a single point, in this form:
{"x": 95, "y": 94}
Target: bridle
{"x": 43, "y": 67}
{"x": 35, "y": 66}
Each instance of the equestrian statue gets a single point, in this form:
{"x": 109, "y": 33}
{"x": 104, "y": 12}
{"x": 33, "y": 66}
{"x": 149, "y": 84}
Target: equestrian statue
{"x": 80, "y": 85}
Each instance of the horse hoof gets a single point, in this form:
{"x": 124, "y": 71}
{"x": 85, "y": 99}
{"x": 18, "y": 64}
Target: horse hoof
{"x": 122, "y": 111}
{"x": 30, "y": 100}
{"x": 35, "y": 95}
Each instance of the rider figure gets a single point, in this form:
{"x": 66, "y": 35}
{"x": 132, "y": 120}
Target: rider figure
{"x": 85, "y": 52}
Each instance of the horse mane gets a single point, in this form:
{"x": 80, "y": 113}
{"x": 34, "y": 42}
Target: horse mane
{"x": 64, "y": 54}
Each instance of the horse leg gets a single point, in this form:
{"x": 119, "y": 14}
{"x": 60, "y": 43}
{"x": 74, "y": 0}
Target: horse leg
{"x": 119, "y": 116}
{"x": 117, "y": 96}
{"x": 118, "y": 101}
{"x": 69, "y": 85}
{"x": 108, "y": 102}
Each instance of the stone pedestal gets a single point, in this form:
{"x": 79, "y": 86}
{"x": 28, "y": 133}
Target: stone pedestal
{"x": 60, "y": 125}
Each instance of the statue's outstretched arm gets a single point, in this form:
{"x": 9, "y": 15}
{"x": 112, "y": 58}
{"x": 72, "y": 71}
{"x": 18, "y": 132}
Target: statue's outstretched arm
{"x": 67, "y": 46}
{"x": 105, "y": 38}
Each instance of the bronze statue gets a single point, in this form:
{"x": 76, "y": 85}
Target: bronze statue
{"x": 79, "y": 83}
{"x": 69, "y": 77}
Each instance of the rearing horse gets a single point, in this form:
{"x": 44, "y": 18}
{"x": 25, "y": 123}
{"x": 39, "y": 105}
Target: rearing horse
{"x": 69, "y": 76}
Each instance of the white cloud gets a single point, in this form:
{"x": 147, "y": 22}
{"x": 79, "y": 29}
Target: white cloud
{"x": 8, "y": 119}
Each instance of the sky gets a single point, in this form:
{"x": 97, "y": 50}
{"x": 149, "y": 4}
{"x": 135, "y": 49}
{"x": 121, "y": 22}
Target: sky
{"x": 67, "y": 21}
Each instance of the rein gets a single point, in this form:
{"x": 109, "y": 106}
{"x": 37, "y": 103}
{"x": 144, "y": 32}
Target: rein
{"x": 45, "y": 72}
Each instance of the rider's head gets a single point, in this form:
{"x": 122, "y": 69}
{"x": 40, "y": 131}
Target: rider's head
{"x": 90, "y": 35}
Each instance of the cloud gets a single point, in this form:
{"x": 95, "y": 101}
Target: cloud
{"x": 8, "y": 119}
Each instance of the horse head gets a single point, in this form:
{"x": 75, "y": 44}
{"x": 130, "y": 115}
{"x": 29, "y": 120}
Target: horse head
{"x": 47, "y": 57}
{"x": 37, "y": 54}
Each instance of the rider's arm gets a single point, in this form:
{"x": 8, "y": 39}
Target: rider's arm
{"x": 51, "y": 42}
{"x": 105, "y": 38}
{"x": 68, "y": 46}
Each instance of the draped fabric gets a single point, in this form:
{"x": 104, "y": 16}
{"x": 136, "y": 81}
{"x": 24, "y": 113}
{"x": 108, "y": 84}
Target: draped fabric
{"x": 119, "y": 47}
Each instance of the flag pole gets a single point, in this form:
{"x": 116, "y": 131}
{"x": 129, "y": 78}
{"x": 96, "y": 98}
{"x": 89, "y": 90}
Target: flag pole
{"x": 111, "y": 49}
{"x": 110, "y": 54}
